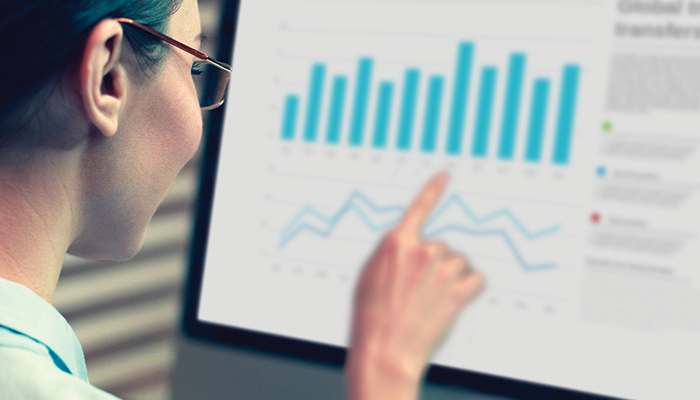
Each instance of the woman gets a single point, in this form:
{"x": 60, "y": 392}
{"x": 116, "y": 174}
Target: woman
{"x": 97, "y": 116}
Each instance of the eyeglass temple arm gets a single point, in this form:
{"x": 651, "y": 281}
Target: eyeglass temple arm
{"x": 176, "y": 43}
{"x": 172, "y": 41}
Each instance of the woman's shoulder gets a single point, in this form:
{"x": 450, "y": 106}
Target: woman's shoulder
{"x": 25, "y": 374}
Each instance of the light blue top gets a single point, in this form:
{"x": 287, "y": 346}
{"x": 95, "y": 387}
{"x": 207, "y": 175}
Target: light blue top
{"x": 40, "y": 356}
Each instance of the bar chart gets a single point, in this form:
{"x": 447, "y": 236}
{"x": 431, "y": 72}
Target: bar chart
{"x": 440, "y": 103}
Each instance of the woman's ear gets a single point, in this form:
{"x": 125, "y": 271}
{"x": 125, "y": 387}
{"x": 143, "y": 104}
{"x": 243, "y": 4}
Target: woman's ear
{"x": 103, "y": 79}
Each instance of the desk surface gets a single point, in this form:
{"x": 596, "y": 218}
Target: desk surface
{"x": 207, "y": 372}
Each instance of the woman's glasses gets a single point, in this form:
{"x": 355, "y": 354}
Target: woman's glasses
{"x": 210, "y": 76}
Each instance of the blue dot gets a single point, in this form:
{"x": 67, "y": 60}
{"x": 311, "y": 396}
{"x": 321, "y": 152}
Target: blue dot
{"x": 601, "y": 171}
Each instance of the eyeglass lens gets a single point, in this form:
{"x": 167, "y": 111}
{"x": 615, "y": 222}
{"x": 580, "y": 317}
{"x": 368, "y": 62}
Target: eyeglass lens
{"x": 210, "y": 82}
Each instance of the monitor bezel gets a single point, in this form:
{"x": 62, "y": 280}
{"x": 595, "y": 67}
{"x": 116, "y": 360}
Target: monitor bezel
{"x": 332, "y": 356}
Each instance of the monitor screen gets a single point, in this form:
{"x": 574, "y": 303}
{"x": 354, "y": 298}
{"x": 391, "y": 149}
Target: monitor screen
{"x": 570, "y": 130}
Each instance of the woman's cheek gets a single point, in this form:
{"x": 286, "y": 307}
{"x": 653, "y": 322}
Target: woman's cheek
{"x": 182, "y": 125}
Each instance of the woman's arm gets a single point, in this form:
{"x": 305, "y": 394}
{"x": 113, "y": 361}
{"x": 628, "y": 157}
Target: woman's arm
{"x": 406, "y": 299}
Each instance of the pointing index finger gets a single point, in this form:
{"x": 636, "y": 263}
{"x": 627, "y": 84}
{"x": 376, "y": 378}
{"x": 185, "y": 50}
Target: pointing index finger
{"x": 423, "y": 204}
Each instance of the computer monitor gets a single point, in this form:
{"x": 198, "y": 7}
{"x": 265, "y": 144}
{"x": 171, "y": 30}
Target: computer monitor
{"x": 570, "y": 130}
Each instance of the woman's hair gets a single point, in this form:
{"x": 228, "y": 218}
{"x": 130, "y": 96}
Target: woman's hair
{"x": 41, "y": 39}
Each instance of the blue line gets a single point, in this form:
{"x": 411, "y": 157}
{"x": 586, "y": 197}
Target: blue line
{"x": 538, "y": 118}
{"x": 364, "y": 78}
{"x": 453, "y": 199}
{"x": 313, "y": 111}
{"x": 381, "y": 122}
{"x": 432, "y": 113}
{"x": 567, "y": 111}
{"x": 289, "y": 232}
{"x": 459, "y": 97}
{"x": 494, "y": 232}
{"x": 514, "y": 88}
{"x": 289, "y": 121}
{"x": 335, "y": 117}
{"x": 334, "y": 222}
{"x": 408, "y": 109}
{"x": 480, "y": 143}
{"x": 295, "y": 227}
{"x": 354, "y": 196}
{"x": 504, "y": 213}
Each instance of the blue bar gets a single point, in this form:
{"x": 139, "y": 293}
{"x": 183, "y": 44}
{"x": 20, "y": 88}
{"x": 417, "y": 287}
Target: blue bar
{"x": 289, "y": 122}
{"x": 313, "y": 110}
{"x": 408, "y": 109}
{"x": 335, "y": 118}
{"x": 459, "y": 98}
{"x": 432, "y": 113}
{"x": 484, "y": 116}
{"x": 364, "y": 78}
{"x": 381, "y": 122}
{"x": 538, "y": 119}
{"x": 567, "y": 111}
{"x": 514, "y": 88}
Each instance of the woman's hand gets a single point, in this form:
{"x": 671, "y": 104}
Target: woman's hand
{"x": 406, "y": 299}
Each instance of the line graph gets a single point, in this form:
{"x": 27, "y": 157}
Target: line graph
{"x": 295, "y": 227}
{"x": 355, "y": 202}
{"x": 504, "y": 213}
{"x": 494, "y": 232}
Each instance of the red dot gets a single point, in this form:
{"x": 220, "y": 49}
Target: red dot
{"x": 595, "y": 218}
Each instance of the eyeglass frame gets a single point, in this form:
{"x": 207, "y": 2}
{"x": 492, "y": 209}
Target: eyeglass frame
{"x": 203, "y": 57}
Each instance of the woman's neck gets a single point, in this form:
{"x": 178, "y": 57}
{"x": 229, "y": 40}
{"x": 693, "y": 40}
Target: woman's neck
{"x": 36, "y": 222}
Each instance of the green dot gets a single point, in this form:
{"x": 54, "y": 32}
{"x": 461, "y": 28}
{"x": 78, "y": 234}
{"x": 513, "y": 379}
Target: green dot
{"x": 607, "y": 126}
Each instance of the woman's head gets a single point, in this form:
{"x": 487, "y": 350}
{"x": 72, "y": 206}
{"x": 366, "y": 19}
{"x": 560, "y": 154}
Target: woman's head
{"x": 114, "y": 107}
{"x": 42, "y": 38}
